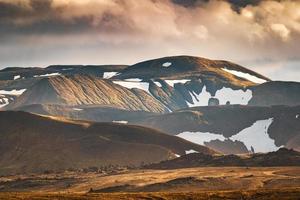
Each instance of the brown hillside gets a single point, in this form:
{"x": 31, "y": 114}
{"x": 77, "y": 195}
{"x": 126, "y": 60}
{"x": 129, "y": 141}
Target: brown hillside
{"x": 86, "y": 90}
{"x": 32, "y": 143}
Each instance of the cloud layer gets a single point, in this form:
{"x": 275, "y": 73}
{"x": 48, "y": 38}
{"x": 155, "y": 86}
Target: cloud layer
{"x": 252, "y": 32}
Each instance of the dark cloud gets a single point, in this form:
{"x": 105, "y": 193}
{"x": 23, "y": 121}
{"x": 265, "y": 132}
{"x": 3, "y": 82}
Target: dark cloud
{"x": 239, "y": 30}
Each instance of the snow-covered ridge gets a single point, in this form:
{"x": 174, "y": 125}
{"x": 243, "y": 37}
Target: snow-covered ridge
{"x": 200, "y": 137}
{"x": 13, "y": 92}
{"x": 108, "y": 75}
{"x": 255, "y": 136}
{"x": 47, "y": 75}
{"x": 3, "y": 102}
{"x": 224, "y": 95}
{"x": 173, "y": 82}
{"x": 120, "y": 122}
{"x": 233, "y": 96}
{"x": 77, "y": 109}
{"x": 200, "y": 99}
{"x": 190, "y": 151}
{"x": 134, "y": 84}
{"x": 158, "y": 83}
{"x": 247, "y": 76}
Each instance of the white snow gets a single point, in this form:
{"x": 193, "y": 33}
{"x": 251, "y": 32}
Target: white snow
{"x": 17, "y": 77}
{"x": 158, "y": 84}
{"x": 108, "y": 75}
{"x": 129, "y": 84}
{"x": 200, "y": 137}
{"x": 134, "y": 79}
{"x": 121, "y": 122}
{"x": 65, "y": 69}
{"x": 177, "y": 155}
{"x": 4, "y": 102}
{"x": 247, "y": 76}
{"x": 77, "y": 109}
{"x": 167, "y": 64}
{"x": 200, "y": 99}
{"x": 12, "y": 92}
{"x": 297, "y": 116}
{"x": 190, "y": 151}
{"x": 257, "y": 137}
{"x": 233, "y": 96}
{"x": 47, "y": 75}
{"x": 173, "y": 82}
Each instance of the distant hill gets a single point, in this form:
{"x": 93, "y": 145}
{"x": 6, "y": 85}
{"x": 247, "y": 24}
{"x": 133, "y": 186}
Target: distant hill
{"x": 282, "y": 157}
{"x": 32, "y": 143}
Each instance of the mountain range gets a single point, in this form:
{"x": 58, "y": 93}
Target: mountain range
{"x": 77, "y": 116}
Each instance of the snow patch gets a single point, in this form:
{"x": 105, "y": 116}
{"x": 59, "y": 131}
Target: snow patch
{"x": 177, "y": 155}
{"x": 200, "y": 99}
{"x": 108, "y": 75}
{"x": 77, "y": 109}
{"x": 257, "y": 137}
{"x": 129, "y": 84}
{"x": 3, "y": 102}
{"x": 134, "y": 79}
{"x": 190, "y": 151}
{"x": 121, "y": 122}
{"x": 12, "y": 92}
{"x": 17, "y": 77}
{"x": 233, "y": 96}
{"x": 173, "y": 82}
{"x": 47, "y": 75}
{"x": 158, "y": 84}
{"x": 200, "y": 137}
{"x": 247, "y": 76}
{"x": 297, "y": 116}
{"x": 167, "y": 64}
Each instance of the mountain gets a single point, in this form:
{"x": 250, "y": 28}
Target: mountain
{"x": 31, "y": 143}
{"x": 18, "y": 73}
{"x": 86, "y": 90}
{"x": 186, "y": 81}
{"x": 231, "y": 129}
{"x": 262, "y": 128}
{"x": 282, "y": 157}
{"x": 276, "y": 93}
{"x": 174, "y": 82}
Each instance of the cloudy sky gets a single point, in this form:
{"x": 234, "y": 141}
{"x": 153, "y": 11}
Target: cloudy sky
{"x": 263, "y": 35}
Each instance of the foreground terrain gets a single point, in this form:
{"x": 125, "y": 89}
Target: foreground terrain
{"x": 188, "y": 183}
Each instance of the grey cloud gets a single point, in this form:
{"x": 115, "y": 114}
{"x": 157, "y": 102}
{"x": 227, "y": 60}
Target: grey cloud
{"x": 239, "y": 30}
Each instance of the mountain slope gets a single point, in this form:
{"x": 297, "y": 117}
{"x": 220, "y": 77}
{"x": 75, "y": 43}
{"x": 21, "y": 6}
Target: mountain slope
{"x": 185, "y": 67}
{"x": 276, "y": 93}
{"x": 86, "y": 90}
{"x": 32, "y": 143}
{"x": 274, "y": 126}
{"x": 185, "y": 81}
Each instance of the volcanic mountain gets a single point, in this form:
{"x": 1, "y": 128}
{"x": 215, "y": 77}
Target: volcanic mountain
{"x": 173, "y": 82}
{"x": 86, "y": 90}
{"x": 32, "y": 143}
